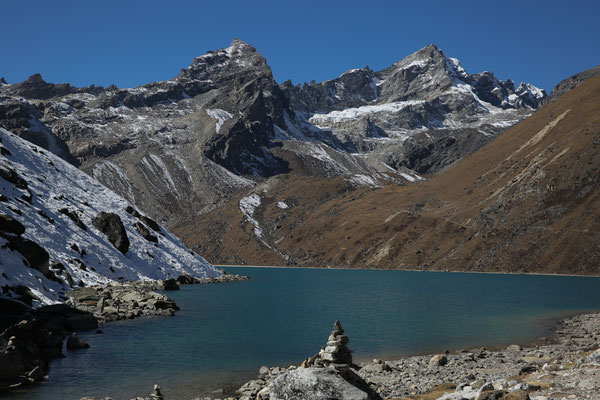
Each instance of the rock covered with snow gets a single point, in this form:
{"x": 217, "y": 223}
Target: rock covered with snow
{"x": 60, "y": 210}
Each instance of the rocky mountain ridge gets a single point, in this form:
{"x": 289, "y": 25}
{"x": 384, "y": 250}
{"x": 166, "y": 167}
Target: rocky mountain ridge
{"x": 181, "y": 147}
{"x": 522, "y": 203}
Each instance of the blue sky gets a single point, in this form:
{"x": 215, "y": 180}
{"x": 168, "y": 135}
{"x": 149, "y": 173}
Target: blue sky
{"x": 129, "y": 43}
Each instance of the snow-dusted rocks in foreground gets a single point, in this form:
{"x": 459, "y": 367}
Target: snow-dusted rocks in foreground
{"x": 79, "y": 254}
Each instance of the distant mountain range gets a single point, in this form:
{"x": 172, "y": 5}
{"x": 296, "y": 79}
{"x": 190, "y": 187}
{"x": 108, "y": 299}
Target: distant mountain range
{"x": 181, "y": 147}
{"x": 526, "y": 202}
{"x": 360, "y": 170}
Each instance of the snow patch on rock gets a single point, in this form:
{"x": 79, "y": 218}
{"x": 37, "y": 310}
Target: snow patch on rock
{"x": 220, "y": 115}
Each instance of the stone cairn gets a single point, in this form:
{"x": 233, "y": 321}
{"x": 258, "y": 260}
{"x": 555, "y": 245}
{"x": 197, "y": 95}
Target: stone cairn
{"x": 156, "y": 394}
{"x": 335, "y": 354}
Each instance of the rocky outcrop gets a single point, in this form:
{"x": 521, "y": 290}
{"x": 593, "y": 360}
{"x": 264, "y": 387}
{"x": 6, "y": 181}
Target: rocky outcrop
{"x": 35, "y": 87}
{"x": 569, "y": 84}
{"x": 121, "y": 301}
{"x": 37, "y": 257}
{"x": 30, "y": 338}
{"x": 111, "y": 225}
{"x": 74, "y": 342}
{"x": 10, "y": 225}
{"x": 128, "y": 300}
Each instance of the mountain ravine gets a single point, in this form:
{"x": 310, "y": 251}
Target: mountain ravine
{"x": 183, "y": 147}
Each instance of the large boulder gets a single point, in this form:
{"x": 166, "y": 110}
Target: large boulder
{"x": 13, "y": 177}
{"x": 11, "y": 225}
{"x": 37, "y": 257}
{"x": 320, "y": 384}
{"x": 35, "y": 254}
{"x": 438, "y": 360}
{"x": 74, "y": 342}
{"x": 170, "y": 284}
{"x": 111, "y": 225}
{"x": 185, "y": 279}
{"x": 141, "y": 228}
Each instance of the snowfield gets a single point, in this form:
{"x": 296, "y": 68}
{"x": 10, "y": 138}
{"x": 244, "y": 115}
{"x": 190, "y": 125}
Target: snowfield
{"x": 220, "y": 115}
{"x": 353, "y": 113}
{"x": 86, "y": 256}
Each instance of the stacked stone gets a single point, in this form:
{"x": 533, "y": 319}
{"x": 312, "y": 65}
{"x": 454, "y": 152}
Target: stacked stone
{"x": 336, "y": 352}
{"x": 156, "y": 394}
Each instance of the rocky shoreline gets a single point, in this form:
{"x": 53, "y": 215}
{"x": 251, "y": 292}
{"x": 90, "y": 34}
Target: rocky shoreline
{"x": 30, "y": 338}
{"x": 566, "y": 366}
{"x": 128, "y": 300}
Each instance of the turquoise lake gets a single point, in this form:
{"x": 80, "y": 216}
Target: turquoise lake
{"x": 225, "y": 332}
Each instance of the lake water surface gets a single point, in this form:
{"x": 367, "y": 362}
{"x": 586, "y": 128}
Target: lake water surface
{"x": 225, "y": 332}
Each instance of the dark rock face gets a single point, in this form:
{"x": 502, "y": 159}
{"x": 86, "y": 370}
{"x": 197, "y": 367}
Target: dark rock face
{"x": 111, "y": 225}
{"x": 11, "y": 225}
{"x": 352, "y": 89}
{"x": 37, "y": 257}
{"x": 75, "y": 343}
{"x": 141, "y": 228}
{"x": 13, "y": 177}
{"x": 35, "y": 254}
{"x": 30, "y": 338}
{"x": 170, "y": 284}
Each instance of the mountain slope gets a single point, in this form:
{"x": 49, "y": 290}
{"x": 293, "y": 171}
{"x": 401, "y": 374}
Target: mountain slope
{"x": 526, "y": 202}
{"x": 50, "y": 216}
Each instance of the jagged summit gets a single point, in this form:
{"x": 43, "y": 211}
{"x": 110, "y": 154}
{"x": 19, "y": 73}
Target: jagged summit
{"x": 239, "y": 43}
{"x": 238, "y": 55}
{"x": 35, "y": 78}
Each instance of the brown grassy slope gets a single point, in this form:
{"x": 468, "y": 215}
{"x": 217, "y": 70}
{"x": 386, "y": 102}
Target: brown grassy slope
{"x": 526, "y": 202}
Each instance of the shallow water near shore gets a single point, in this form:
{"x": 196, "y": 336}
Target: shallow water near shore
{"x": 225, "y": 332}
